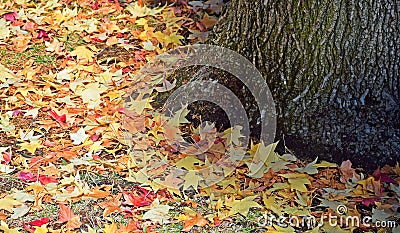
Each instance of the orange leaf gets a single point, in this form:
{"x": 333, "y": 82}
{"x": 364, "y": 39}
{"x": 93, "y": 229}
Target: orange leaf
{"x": 74, "y": 223}
{"x": 20, "y": 43}
{"x": 64, "y": 214}
{"x": 98, "y": 193}
{"x": 131, "y": 227}
{"x": 111, "y": 206}
{"x": 196, "y": 220}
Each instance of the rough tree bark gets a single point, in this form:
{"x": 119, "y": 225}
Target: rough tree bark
{"x": 333, "y": 69}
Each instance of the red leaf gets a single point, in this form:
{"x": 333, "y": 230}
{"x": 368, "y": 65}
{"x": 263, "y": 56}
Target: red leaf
{"x": 27, "y": 177}
{"x": 137, "y": 201}
{"x": 347, "y": 172}
{"x": 10, "y": 16}
{"x": 217, "y": 221}
{"x": 46, "y": 180}
{"x": 369, "y": 201}
{"x": 383, "y": 177}
{"x": 95, "y": 137}
{"x": 95, "y": 39}
{"x": 39, "y": 222}
{"x": 60, "y": 119}
{"x": 42, "y": 34}
{"x": 126, "y": 70}
{"x": 95, "y": 5}
{"x": 7, "y": 157}
{"x": 30, "y": 26}
{"x": 140, "y": 56}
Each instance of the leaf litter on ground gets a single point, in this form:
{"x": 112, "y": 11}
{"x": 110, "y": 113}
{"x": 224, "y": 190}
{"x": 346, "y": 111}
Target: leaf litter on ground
{"x": 66, "y": 164}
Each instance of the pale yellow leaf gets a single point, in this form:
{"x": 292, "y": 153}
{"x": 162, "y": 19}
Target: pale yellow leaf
{"x": 83, "y": 54}
{"x": 4, "y": 227}
{"x": 20, "y": 211}
{"x": 8, "y": 203}
{"x": 191, "y": 179}
{"x": 4, "y": 29}
{"x": 158, "y": 212}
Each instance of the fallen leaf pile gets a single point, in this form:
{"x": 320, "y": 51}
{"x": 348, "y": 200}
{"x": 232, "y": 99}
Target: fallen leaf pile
{"x": 83, "y": 149}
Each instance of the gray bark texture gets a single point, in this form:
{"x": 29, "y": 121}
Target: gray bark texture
{"x": 333, "y": 69}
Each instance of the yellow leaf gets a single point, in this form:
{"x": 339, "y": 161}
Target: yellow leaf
{"x": 35, "y": 187}
{"x": 243, "y": 206}
{"x": 191, "y": 179}
{"x": 4, "y": 29}
{"x": 174, "y": 39}
{"x": 161, "y": 37}
{"x": 5, "y": 73}
{"x": 83, "y": 54}
{"x": 91, "y": 94}
{"x": 96, "y": 146}
{"x": 141, "y": 21}
{"x": 42, "y": 229}
{"x": 263, "y": 157}
{"x": 269, "y": 203}
{"x": 31, "y": 146}
{"x": 20, "y": 211}
{"x": 188, "y": 162}
{"x": 8, "y": 203}
{"x": 293, "y": 175}
{"x": 148, "y": 45}
{"x": 140, "y": 11}
{"x": 232, "y": 135}
{"x": 299, "y": 184}
{"x": 182, "y": 217}
{"x": 324, "y": 164}
{"x": 5, "y": 229}
{"x": 115, "y": 94}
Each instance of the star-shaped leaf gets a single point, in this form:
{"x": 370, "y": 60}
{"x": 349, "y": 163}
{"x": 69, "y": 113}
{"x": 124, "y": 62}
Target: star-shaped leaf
{"x": 191, "y": 179}
{"x": 8, "y": 203}
{"x": 243, "y": 206}
{"x": 83, "y": 54}
{"x": 158, "y": 212}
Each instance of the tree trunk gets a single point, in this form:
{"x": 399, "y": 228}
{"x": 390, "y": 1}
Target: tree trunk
{"x": 333, "y": 69}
